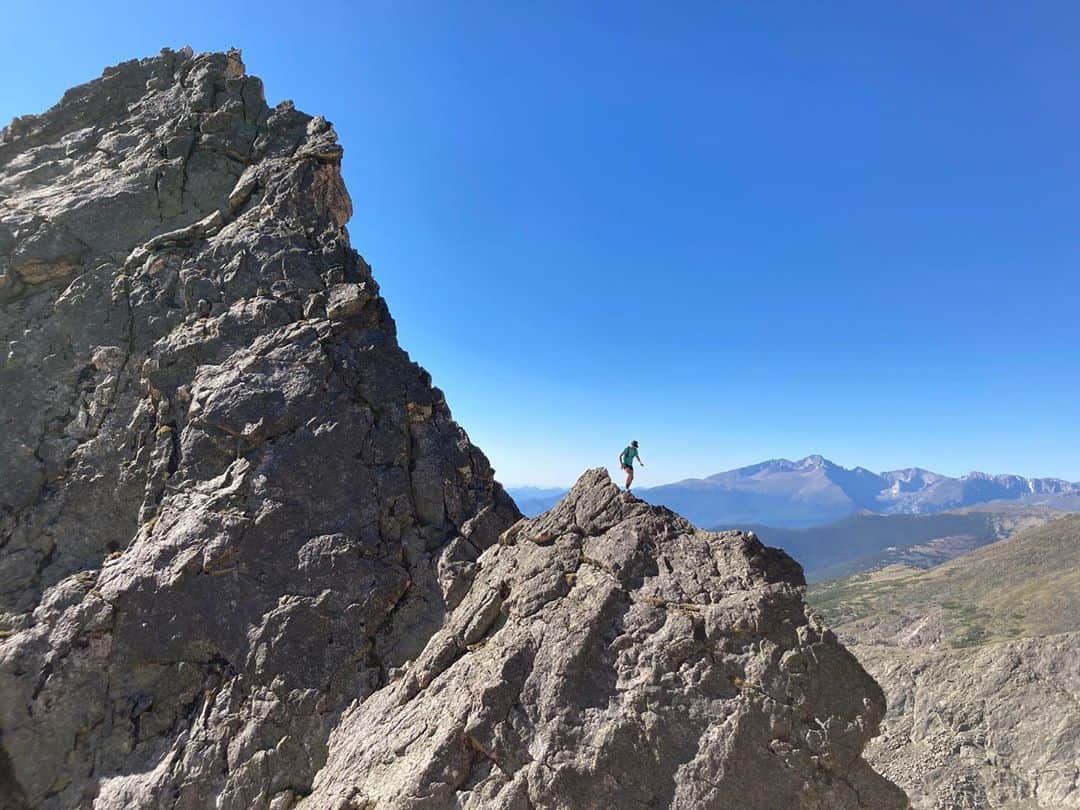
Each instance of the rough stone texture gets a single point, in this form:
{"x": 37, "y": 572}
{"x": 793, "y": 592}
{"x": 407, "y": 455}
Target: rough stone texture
{"x": 997, "y": 726}
{"x": 247, "y": 559}
{"x": 229, "y": 503}
{"x": 609, "y": 655}
{"x": 980, "y": 661}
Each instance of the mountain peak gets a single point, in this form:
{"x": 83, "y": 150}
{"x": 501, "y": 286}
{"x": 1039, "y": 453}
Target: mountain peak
{"x": 251, "y": 560}
{"x": 226, "y": 486}
{"x": 598, "y": 607}
{"x": 815, "y": 490}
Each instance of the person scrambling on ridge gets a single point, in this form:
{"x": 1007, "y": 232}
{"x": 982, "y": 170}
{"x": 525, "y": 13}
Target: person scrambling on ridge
{"x": 626, "y": 461}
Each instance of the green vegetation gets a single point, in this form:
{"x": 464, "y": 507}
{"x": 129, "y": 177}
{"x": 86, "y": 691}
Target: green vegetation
{"x": 866, "y": 542}
{"x": 1027, "y": 585}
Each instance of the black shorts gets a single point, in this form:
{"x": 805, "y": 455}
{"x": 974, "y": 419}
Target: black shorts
{"x": 627, "y": 468}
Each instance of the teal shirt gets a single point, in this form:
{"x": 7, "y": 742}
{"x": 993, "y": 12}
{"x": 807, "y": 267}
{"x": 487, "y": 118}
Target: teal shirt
{"x": 628, "y": 456}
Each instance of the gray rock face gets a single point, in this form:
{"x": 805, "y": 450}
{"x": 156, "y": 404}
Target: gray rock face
{"x": 249, "y": 561}
{"x": 229, "y": 502}
{"x": 608, "y": 654}
{"x": 997, "y": 726}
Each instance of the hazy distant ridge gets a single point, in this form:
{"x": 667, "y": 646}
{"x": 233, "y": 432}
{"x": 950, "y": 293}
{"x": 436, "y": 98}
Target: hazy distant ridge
{"x": 815, "y": 491}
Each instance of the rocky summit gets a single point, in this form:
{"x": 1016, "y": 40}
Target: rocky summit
{"x": 610, "y": 655}
{"x": 248, "y": 560}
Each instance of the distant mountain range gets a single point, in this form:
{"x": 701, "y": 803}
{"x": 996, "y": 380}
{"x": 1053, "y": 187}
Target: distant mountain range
{"x": 815, "y": 491}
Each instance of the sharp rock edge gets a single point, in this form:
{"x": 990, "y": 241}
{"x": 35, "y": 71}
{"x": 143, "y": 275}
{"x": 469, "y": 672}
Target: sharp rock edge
{"x": 249, "y": 561}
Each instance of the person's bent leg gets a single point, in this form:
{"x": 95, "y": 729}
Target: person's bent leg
{"x": 629, "y": 478}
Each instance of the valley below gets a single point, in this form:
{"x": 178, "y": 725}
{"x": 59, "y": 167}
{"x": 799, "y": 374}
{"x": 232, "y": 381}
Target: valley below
{"x": 871, "y": 542}
{"x": 980, "y": 662}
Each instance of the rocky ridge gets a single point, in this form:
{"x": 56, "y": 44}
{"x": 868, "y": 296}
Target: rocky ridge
{"x": 248, "y": 560}
{"x": 231, "y": 502}
{"x": 610, "y": 654}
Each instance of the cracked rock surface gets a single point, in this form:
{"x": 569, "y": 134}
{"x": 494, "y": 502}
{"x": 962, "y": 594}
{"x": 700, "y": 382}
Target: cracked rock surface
{"x": 248, "y": 560}
{"x": 610, "y": 655}
{"x": 230, "y": 503}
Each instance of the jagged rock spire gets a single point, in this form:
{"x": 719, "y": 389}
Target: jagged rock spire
{"x": 248, "y": 560}
{"x": 231, "y": 503}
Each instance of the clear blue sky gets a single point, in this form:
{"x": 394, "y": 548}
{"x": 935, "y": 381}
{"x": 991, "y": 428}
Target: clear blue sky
{"x": 731, "y": 231}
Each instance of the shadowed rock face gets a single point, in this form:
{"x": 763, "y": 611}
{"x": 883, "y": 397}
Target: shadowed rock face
{"x": 608, "y": 654}
{"x": 230, "y": 502}
{"x": 249, "y": 561}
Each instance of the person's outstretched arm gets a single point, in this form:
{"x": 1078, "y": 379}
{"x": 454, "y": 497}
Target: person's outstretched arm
{"x": 641, "y": 461}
